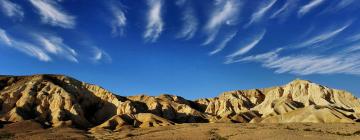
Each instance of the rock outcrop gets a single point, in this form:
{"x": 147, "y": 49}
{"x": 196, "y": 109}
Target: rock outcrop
{"x": 56, "y": 100}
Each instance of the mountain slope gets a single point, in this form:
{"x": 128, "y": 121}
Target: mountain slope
{"x": 57, "y": 100}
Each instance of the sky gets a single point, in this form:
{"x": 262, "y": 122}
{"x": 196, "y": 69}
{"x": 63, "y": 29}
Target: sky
{"x": 191, "y": 48}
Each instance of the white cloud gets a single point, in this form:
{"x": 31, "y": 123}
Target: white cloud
{"x": 354, "y": 38}
{"x": 247, "y": 48}
{"x": 155, "y": 23}
{"x": 119, "y": 20}
{"x": 223, "y": 44}
{"x": 32, "y": 50}
{"x": 41, "y": 47}
{"x": 56, "y": 46}
{"x": 285, "y": 10}
{"x": 100, "y": 55}
{"x": 345, "y": 60}
{"x": 11, "y": 9}
{"x": 270, "y": 56}
{"x": 343, "y": 4}
{"x": 24, "y": 47}
{"x": 352, "y": 48}
{"x": 224, "y": 14}
{"x": 323, "y": 37}
{"x": 310, "y": 6}
{"x": 5, "y": 38}
{"x": 190, "y": 22}
{"x": 345, "y": 63}
{"x": 52, "y": 14}
{"x": 259, "y": 14}
{"x": 335, "y": 6}
{"x": 312, "y": 64}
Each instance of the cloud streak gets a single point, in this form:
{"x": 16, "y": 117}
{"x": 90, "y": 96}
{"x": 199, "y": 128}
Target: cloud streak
{"x": 223, "y": 44}
{"x": 259, "y": 14}
{"x": 11, "y": 9}
{"x": 24, "y": 47}
{"x": 224, "y": 14}
{"x": 5, "y": 38}
{"x": 308, "y": 7}
{"x": 155, "y": 23}
{"x": 323, "y": 37}
{"x": 285, "y": 10}
{"x": 308, "y": 64}
{"x": 41, "y": 47}
{"x": 52, "y": 14}
{"x": 343, "y": 4}
{"x": 190, "y": 22}
{"x": 56, "y": 46}
{"x": 119, "y": 21}
{"x": 247, "y": 47}
{"x": 100, "y": 55}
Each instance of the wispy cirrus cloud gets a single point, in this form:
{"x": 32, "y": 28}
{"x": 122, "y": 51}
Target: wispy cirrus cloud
{"x": 4, "y": 37}
{"x": 24, "y": 47}
{"x": 354, "y": 38}
{"x": 41, "y": 47}
{"x": 310, "y": 6}
{"x": 100, "y": 55}
{"x": 11, "y": 9}
{"x": 223, "y": 43}
{"x": 285, "y": 10}
{"x": 352, "y": 48}
{"x": 190, "y": 22}
{"x": 323, "y": 37}
{"x": 309, "y": 63}
{"x": 339, "y": 5}
{"x": 346, "y": 60}
{"x": 246, "y": 48}
{"x": 343, "y": 4}
{"x": 259, "y": 14}
{"x": 225, "y": 13}
{"x": 155, "y": 22}
{"x": 51, "y": 13}
{"x": 56, "y": 46}
{"x": 119, "y": 20}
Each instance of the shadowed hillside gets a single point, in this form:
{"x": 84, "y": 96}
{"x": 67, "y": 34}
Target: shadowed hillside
{"x": 57, "y": 100}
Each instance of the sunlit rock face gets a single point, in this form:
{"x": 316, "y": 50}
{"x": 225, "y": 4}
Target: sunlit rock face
{"x": 57, "y": 100}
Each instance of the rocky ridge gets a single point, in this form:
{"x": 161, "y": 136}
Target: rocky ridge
{"x": 57, "y": 100}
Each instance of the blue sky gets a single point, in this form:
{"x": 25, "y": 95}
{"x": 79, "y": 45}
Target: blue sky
{"x": 191, "y": 48}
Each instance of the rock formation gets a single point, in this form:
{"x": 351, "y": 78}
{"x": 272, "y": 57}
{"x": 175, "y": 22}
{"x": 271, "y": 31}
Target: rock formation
{"x": 56, "y": 100}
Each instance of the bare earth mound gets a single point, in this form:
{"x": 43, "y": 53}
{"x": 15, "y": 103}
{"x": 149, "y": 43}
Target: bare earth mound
{"x": 52, "y": 102}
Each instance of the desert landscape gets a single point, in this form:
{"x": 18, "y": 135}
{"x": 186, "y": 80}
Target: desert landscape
{"x": 179, "y": 69}
{"x": 61, "y": 107}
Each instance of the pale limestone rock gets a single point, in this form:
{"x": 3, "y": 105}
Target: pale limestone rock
{"x": 57, "y": 101}
{"x": 310, "y": 114}
{"x": 115, "y": 123}
{"x": 151, "y": 120}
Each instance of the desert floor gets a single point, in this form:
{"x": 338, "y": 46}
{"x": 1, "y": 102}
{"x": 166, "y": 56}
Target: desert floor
{"x": 216, "y": 131}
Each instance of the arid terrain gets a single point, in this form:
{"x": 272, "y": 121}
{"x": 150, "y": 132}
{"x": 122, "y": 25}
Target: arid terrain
{"x": 61, "y": 107}
{"x": 193, "y": 131}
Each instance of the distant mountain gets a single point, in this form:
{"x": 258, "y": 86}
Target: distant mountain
{"x": 57, "y": 100}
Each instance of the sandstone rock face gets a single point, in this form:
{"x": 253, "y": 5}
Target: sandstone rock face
{"x": 232, "y": 104}
{"x": 56, "y": 100}
{"x": 173, "y": 108}
{"x": 310, "y": 114}
{"x": 53, "y": 99}
{"x": 281, "y": 101}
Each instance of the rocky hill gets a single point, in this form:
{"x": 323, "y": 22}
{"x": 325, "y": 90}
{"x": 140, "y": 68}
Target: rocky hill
{"x": 57, "y": 100}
